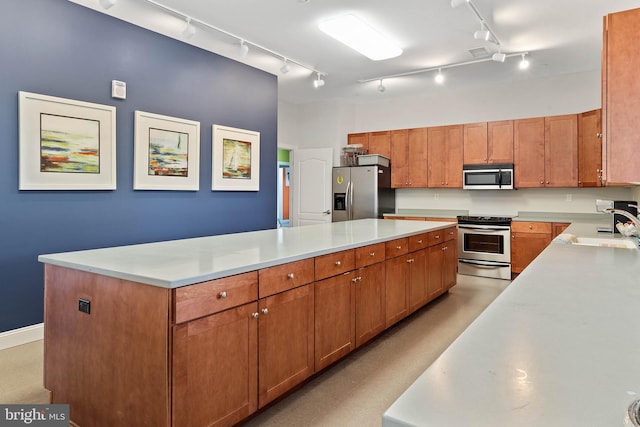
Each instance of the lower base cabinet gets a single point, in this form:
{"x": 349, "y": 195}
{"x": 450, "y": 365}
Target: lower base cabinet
{"x": 286, "y": 343}
{"x": 397, "y": 297}
{"x": 370, "y": 302}
{"x": 334, "y": 319}
{"x": 218, "y": 349}
{"x": 418, "y": 279}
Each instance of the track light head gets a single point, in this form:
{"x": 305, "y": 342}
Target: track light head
{"x": 499, "y": 57}
{"x": 244, "y": 49}
{"x": 482, "y": 35}
{"x": 318, "y": 83}
{"x": 107, "y": 4}
{"x": 381, "y": 87}
{"x": 285, "y": 66}
{"x": 439, "y": 78}
{"x": 189, "y": 30}
{"x": 456, "y": 3}
{"x": 524, "y": 63}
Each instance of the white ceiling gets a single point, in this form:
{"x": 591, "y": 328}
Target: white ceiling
{"x": 562, "y": 36}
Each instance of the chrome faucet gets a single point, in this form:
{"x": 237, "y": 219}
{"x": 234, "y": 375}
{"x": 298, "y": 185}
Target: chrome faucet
{"x": 626, "y": 214}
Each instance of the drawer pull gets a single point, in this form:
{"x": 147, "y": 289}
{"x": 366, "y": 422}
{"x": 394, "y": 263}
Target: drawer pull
{"x": 290, "y": 275}
{"x": 437, "y": 236}
{"x": 372, "y": 254}
{"x": 356, "y": 279}
{"x": 222, "y": 294}
{"x": 338, "y": 263}
{"x": 410, "y": 260}
{"x": 420, "y": 241}
{"x": 265, "y": 311}
{"x": 398, "y": 247}
{"x": 255, "y": 315}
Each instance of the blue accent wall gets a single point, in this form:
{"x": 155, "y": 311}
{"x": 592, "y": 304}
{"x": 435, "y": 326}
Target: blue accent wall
{"x": 62, "y": 49}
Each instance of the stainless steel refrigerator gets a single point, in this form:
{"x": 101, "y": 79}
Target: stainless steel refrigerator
{"x": 362, "y": 192}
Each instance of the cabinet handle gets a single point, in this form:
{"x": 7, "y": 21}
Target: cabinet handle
{"x": 356, "y": 279}
{"x": 338, "y": 263}
{"x": 437, "y": 236}
{"x": 372, "y": 254}
{"x": 398, "y": 247}
{"x": 420, "y": 241}
{"x": 222, "y": 294}
{"x": 531, "y": 227}
{"x": 599, "y": 135}
{"x": 265, "y": 311}
{"x": 255, "y": 315}
{"x": 290, "y": 275}
{"x": 547, "y": 182}
{"x": 410, "y": 260}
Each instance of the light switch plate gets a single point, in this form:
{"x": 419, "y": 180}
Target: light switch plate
{"x": 118, "y": 89}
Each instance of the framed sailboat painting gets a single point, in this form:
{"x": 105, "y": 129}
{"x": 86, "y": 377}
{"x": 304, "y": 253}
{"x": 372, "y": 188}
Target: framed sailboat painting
{"x": 235, "y": 159}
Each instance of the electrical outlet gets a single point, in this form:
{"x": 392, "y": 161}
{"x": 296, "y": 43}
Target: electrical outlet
{"x": 569, "y": 197}
{"x": 84, "y": 305}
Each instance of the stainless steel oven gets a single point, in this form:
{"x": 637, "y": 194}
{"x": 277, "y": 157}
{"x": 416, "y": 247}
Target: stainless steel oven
{"x": 484, "y": 246}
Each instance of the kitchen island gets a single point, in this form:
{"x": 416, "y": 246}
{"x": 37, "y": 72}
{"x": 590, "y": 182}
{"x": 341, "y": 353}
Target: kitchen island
{"x": 559, "y": 347}
{"x": 205, "y": 331}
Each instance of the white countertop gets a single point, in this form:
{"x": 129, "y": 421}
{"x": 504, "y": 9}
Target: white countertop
{"x": 559, "y": 347}
{"x": 176, "y": 263}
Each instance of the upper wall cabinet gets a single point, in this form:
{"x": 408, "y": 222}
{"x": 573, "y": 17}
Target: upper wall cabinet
{"x": 359, "y": 138}
{"x": 546, "y": 151}
{"x": 490, "y": 142}
{"x": 590, "y": 149}
{"x": 621, "y": 97}
{"x": 409, "y": 158}
{"x": 444, "y": 156}
{"x": 380, "y": 143}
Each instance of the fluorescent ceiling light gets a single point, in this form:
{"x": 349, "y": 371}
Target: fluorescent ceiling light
{"x": 360, "y": 36}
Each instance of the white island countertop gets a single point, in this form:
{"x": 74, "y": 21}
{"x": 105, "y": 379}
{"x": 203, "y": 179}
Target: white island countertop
{"x": 176, "y": 263}
{"x": 559, "y": 347}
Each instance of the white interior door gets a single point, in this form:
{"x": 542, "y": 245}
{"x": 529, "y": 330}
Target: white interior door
{"x": 311, "y": 186}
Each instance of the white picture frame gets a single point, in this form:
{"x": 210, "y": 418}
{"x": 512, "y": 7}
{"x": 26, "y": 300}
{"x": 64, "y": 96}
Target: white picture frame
{"x": 166, "y": 153}
{"x": 65, "y": 144}
{"x": 235, "y": 160}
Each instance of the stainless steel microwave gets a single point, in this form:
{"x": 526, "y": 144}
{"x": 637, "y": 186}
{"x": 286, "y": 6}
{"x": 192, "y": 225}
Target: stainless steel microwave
{"x": 488, "y": 177}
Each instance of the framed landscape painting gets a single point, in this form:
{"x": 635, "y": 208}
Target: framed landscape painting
{"x": 235, "y": 159}
{"x": 167, "y": 153}
{"x": 66, "y": 144}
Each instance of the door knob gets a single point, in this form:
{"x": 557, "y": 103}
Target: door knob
{"x": 327, "y": 212}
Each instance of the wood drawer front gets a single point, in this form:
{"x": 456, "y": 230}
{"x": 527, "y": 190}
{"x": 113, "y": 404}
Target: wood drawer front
{"x": 530, "y": 227}
{"x": 450, "y": 233}
{"x": 394, "y": 248}
{"x": 368, "y": 255}
{"x": 436, "y": 237}
{"x": 334, "y": 264}
{"x": 201, "y": 299}
{"x": 283, "y": 277}
{"x": 418, "y": 242}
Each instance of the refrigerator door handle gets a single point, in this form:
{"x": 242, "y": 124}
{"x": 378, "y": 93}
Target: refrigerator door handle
{"x": 350, "y": 191}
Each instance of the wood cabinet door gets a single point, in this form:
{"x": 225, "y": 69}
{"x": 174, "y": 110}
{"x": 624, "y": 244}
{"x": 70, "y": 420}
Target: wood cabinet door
{"x": 397, "y": 297}
{"x": 558, "y": 228}
{"x": 435, "y": 283}
{"x": 436, "y": 156}
{"x": 454, "y": 142}
{"x": 590, "y": 149}
{"x": 525, "y": 247}
{"x": 621, "y": 97}
{"x": 214, "y": 372}
{"x": 380, "y": 143}
{"x": 450, "y": 267}
{"x": 418, "y": 279}
{"x": 370, "y": 302}
{"x": 417, "y": 158}
{"x": 334, "y": 303}
{"x": 561, "y": 151}
{"x": 285, "y": 337}
{"x": 500, "y": 141}
{"x": 359, "y": 138}
{"x": 399, "y": 158}
{"x": 528, "y": 152}
{"x": 475, "y": 143}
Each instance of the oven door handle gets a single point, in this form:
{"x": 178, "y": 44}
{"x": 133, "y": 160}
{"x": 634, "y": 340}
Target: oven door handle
{"x": 487, "y": 264}
{"x": 484, "y": 227}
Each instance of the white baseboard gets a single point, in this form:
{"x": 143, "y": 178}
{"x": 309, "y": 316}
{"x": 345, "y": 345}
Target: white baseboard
{"x": 21, "y": 336}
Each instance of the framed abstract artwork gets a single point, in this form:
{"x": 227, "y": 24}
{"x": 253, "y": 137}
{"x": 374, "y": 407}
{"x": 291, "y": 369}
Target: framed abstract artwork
{"x": 235, "y": 159}
{"x": 166, "y": 153}
{"x": 66, "y": 144}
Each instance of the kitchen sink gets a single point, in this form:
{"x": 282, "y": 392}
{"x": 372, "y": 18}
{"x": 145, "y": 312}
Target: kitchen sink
{"x": 606, "y": 242}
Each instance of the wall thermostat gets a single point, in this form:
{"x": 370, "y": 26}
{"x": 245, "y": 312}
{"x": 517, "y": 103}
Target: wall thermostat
{"x": 118, "y": 89}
